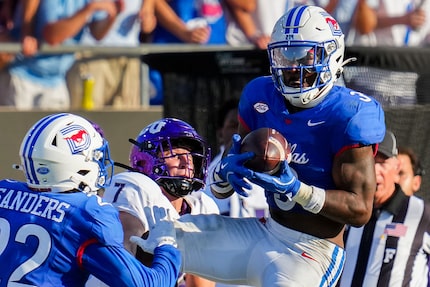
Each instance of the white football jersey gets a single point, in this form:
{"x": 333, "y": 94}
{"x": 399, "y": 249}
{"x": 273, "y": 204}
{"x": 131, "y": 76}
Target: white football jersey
{"x": 132, "y": 191}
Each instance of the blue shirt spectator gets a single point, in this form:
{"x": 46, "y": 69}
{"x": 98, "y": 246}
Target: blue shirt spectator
{"x": 39, "y": 81}
{"x": 195, "y": 14}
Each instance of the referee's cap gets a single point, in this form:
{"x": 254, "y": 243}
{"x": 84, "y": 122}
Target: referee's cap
{"x": 388, "y": 146}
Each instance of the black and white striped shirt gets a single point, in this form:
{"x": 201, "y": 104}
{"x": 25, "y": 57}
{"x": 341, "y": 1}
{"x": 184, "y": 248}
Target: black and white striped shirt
{"x": 393, "y": 248}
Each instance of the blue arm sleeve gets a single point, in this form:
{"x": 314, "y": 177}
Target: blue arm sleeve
{"x": 117, "y": 267}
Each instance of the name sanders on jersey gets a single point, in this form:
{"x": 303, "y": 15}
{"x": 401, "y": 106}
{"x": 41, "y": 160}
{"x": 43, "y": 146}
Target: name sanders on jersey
{"x": 32, "y": 203}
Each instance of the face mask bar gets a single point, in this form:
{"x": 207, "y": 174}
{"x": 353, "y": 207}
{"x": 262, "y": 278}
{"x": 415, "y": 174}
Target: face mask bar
{"x": 302, "y": 57}
{"x": 306, "y": 55}
{"x": 199, "y": 159}
{"x": 106, "y": 164}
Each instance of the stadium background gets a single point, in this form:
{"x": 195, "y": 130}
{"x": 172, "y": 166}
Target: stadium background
{"x": 197, "y": 81}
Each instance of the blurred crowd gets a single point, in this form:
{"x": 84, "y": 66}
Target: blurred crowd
{"x": 32, "y": 80}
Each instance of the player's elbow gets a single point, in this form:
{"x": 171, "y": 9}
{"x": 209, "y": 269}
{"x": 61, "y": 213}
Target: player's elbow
{"x": 359, "y": 221}
{"x": 360, "y": 216}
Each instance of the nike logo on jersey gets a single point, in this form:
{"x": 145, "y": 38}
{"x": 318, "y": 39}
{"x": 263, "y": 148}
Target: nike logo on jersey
{"x": 312, "y": 124}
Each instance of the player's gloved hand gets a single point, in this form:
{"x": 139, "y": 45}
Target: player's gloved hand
{"x": 311, "y": 198}
{"x": 230, "y": 169}
{"x": 161, "y": 230}
{"x": 285, "y": 182}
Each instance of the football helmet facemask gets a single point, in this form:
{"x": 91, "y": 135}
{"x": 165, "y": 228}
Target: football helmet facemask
{"x": 63, "y": 152}
{"x": 155, "y": 144}
{"x": 306, "y": 53}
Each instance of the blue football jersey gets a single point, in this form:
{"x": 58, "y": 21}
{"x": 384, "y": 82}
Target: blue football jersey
{"x": 41, "y": 233}
{"x": 345, "y": 118}
{"x": 46, "y": 240}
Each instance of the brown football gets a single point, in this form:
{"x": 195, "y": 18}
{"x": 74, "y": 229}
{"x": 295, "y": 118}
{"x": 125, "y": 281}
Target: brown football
{"x": 270, "y": 148}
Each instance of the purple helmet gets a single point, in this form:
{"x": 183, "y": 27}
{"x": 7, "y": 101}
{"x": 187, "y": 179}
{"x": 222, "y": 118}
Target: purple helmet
{"x": 98, "y": 128}
{"x": 164, "y": 135}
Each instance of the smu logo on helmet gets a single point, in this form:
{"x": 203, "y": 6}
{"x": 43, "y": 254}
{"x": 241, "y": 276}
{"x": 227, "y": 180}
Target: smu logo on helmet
{"x": 77, "y": 138}
{"x": 334, "y": 26}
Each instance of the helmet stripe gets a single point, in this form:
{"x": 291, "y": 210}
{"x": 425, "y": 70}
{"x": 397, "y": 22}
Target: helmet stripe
{"x": 29, "y": 146}
{"x": 298, "y": 18}
{"x": 288, "y": 23}
{"x": 296, "y": 12}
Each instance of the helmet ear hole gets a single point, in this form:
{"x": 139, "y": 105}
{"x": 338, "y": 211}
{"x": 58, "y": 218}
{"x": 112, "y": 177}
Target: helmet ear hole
{"x": 83, "y": 172}
{"x": 159, "y": 170}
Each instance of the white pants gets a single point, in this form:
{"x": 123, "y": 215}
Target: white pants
{"x": 247, "y": 251}
{"x": 27, "y": 95}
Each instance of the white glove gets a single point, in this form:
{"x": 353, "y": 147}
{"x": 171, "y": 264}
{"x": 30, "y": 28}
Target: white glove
{"x": 161, "y": 230}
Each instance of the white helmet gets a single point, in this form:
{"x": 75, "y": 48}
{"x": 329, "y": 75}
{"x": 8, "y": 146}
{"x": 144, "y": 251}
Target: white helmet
{"x": 64, "y": 152}
{"x": 306, "y": 42}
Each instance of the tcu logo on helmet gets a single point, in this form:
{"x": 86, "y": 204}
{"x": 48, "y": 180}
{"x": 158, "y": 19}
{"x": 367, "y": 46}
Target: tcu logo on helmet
{"x": 156, "y": 127}
{"x": 77, "y": 138}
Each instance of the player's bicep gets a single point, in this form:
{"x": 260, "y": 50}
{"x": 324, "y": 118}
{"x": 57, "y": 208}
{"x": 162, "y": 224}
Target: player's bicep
{"x": 131, "y": 225}
{"x": 354, "y": 170}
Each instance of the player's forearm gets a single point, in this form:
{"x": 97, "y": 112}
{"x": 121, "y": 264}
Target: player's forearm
{"x": 103, "y": 261}
{"x": 348, "y": 207}
{"x": 167, "y": 262}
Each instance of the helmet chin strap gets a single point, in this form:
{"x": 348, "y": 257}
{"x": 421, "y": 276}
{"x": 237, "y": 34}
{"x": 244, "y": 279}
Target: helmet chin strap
{"x": 177, "y": 187}
{"x": 81, "y": 186}
{"x": 344, "y": 63}
{"x": 327, "y": 87}
{"x": 324, "y": 90}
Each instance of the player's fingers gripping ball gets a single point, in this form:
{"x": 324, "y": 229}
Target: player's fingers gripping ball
{"x": 233, "y": 163}
{"x": 284, "y": 182}
{"x": 272, "y": 170}
{"x": 230, "y": 170}
{"x": 269, "y": 147}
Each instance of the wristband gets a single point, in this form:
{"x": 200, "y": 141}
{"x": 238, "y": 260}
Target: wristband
{"x": 167, "y": 240}
{"x": 218, "y": 185}
{"x": 310, "y": 197}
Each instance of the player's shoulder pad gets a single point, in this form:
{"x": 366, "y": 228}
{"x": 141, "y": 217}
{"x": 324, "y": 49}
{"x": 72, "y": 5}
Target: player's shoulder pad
{"x": 128, "y": 185}
{"x": 259, "y": 83}
{"x": 134, "y": 178}
{"x": 367, "y": 122}
{"x": 107, "y": 228}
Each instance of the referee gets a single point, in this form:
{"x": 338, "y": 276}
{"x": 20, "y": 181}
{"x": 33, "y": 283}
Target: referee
{"x": 393, "y": 248}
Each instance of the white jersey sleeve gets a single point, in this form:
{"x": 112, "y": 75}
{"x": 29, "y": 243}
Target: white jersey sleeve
{"x": 201, "y": 203}
{"x": 132, "y": 191}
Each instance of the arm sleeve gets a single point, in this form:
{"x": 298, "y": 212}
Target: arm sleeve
{"x": 117, "y": 267}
